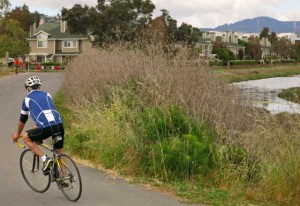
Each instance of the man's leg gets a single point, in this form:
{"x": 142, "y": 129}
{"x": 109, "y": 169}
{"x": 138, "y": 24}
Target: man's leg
{"x": 32, "y": 145}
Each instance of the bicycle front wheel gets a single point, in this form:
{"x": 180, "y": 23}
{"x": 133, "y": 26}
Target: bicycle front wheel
{"x": 31, "y": 169}
{"x": 70, "y": 184}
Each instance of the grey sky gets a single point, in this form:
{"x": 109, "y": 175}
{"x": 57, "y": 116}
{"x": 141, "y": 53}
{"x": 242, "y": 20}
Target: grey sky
{"x": 199, "y": 13}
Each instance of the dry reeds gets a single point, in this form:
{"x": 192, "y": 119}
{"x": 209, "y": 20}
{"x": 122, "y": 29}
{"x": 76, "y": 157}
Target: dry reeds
{"x": 163, "y": 80}
{"x": 177, "y": 78}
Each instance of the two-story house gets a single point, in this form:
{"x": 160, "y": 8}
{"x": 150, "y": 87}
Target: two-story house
{"x": 51, "y": 41}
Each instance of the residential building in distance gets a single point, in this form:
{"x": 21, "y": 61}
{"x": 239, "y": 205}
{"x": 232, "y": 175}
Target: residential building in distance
{"x": 205, "y": 46}
{"x": 51, "y": 41}
{"x": 229, "y": 38}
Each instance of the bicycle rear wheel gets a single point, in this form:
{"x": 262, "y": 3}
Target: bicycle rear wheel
{"x": 70, "y": 184}
{"x": 31, "y": 169}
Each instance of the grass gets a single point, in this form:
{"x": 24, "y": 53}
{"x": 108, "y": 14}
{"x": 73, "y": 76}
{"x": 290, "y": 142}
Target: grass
{"x": 214, "y": 149}
{"x": 291, "y": 94}
{"x": 237, "y": 74}
{"x": 4, "y": 71}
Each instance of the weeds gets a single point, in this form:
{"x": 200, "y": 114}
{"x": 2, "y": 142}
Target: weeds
{"x": 147, "y": 114}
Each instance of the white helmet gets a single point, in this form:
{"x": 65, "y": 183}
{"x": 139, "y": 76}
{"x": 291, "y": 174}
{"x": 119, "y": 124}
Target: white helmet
{"x": 32, "y": 81}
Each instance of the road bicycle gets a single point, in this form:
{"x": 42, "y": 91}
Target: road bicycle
{"x": 63, "y": 171}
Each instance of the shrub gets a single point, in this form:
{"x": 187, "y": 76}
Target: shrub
{"x": 180, "y": 158}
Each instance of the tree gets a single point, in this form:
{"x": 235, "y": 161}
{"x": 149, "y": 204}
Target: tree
{"x": 4, "y": 6}
{"x": 14, "y": 39}
{"x": 222, "y": 52}
{"x": 171, "y": 24}
{"x": 111, "y": 19}
{"x": 184, "y": 32}
{"x": 79, "y": 18}
{"x": 295, "y": 51}
{"x": 254, "y": 48}
{"x": 241, "y": 54}
{"x": 282, "y": 47}
{"x": 158, "y": 30}
{"x": 273, "y": 37}
{"x": 24, "y": 16}
{"x": 264, "y": 33}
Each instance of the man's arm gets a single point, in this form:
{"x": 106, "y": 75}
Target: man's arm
{"x": 19, "y": 131}
{"x": 22, "y": 122}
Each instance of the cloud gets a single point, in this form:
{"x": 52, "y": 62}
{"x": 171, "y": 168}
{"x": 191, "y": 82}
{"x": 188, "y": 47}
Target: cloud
{"x": 203, "y": 13}
{"x": 199, "y": 13}
{"x": 52, "y": 6}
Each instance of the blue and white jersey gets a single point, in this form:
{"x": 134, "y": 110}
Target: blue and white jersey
{"x": 39, "y": 105}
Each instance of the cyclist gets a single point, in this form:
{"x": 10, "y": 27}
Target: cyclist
{"x": 48, "y": 121}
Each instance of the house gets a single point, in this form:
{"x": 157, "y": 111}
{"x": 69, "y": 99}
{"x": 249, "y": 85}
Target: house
{"x": 229, "y": 38}
{"x": 51, "y": 41}
{"x": 205, "y": 46}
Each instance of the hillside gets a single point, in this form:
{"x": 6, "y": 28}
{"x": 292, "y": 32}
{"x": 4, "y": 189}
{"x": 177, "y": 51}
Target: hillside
{"x": 255, "y": 25}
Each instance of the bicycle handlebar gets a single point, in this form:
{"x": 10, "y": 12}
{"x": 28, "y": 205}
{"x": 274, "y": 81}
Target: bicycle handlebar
{"x": 19, "y": 144}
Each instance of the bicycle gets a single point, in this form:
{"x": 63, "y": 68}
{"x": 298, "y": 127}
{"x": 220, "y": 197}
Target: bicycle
{"x": 64, "y": 172}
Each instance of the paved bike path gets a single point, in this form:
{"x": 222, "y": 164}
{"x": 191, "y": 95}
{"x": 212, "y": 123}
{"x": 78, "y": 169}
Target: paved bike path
{"x": 98, "y": 188}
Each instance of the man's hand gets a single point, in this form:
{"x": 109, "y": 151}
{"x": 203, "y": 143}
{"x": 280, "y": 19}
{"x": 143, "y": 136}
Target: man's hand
{"x": 15, "y": 137}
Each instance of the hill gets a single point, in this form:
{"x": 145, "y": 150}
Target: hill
{"x": 256, "y": 25}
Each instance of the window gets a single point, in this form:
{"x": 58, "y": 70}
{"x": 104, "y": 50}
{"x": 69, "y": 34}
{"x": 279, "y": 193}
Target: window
{"x": 42, "y": 44}
{"x": 70, "y": 44}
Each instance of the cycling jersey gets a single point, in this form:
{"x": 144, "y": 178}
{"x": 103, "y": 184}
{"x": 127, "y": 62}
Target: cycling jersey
{"x": 38, "y": 104}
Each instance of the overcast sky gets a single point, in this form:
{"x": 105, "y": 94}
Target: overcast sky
{"x": 199, "y": 13}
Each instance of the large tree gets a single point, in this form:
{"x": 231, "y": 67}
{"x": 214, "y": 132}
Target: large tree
{"x": 24, "y": 16}
{"x": 264, "y": 33}
{"x": 222, "y": 52}
{"x": 111, "y": 19}
{"x": 13, "y": 40}
{"x": 4, "y": 6}
{"x": 254, "y": 48}
{"x": 187, "y": 33}
{"x": 79, "y": 18}
{"x": 282, "y": 47}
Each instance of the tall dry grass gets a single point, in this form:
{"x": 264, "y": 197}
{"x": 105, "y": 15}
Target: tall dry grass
{"x": 178, "y": 79}
{"x": 163, "y": 81}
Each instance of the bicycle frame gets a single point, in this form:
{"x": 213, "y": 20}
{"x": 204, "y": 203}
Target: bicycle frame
{"x": 68, "y": 180}
{"x": 55, "y": 159}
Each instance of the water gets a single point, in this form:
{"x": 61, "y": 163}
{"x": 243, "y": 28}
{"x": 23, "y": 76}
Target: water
{"x": 263, "y": 93}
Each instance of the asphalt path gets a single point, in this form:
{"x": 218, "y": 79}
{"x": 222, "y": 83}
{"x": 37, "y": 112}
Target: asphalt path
{"x": 98, "y": 188}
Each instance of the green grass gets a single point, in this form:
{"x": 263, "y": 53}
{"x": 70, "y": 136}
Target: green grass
{"x": 291, "y": 94}
{"x": 106, "y": 136}
{"x": 237, "y": 74}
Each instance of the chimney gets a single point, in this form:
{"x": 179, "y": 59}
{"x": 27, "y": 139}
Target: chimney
{"x": 32, "y": 29}
{"x": 63, "y": 26}
{"x": 42, "y": 20}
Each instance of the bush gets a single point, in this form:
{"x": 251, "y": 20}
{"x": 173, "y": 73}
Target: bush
{"x": 244, "y": 62}
{"x": 180, "y": 158}
{"x": 50, "y": 64}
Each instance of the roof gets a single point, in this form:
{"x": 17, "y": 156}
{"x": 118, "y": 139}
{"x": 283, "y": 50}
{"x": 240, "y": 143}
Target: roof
{"x": 230, "y": 44}
{"x": 204, "y": 41}
{"x": 53, "y": 29}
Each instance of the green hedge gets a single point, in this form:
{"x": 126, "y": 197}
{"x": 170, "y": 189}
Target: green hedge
{"x": 244, "y": 62}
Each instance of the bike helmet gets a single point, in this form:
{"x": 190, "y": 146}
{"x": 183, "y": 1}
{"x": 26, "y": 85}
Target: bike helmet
{"x": 32, "y": 81}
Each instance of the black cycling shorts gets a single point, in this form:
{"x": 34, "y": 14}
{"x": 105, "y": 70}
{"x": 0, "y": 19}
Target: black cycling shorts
{"x": 56, "y": 131}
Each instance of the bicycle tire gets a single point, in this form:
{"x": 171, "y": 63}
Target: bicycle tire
{"x": 73, "y": 179}
{"x": 31, "y": 169}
